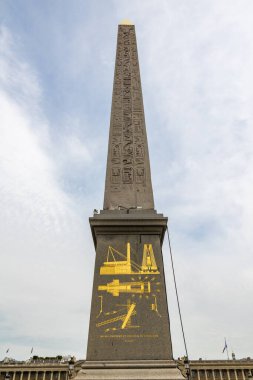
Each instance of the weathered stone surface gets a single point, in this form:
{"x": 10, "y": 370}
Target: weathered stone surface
{"x": 129, "y": 314}
{"x": 128, "y": 180}
{"x": 130, "y": 370}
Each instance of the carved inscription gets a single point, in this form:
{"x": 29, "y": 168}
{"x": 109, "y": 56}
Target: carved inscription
{"x": 115, "y": 175}
{"x": 140, "y": 175}
{"x": 116, "y": 121}
{"x": 128, "y": 175}
{"x": 128, "y": 139}
{"x": 127, "y": 150}
{"x": 138, "y": 116}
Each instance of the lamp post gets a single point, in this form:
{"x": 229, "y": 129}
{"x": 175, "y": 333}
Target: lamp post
{"x": 71, "y": 367}
{"x": 187, "y": 368}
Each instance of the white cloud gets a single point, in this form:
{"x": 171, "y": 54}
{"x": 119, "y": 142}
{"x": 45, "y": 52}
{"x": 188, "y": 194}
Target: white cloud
{"x": 43, "y": 239}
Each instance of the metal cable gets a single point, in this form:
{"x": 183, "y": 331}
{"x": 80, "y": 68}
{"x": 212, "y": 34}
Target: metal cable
{"x": 178, "y": 304}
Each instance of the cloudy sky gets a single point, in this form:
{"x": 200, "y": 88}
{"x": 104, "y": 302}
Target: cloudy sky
{"x": 56, "y": 74}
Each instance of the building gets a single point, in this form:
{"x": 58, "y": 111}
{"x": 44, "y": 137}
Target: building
{"x": 241, "y": 369}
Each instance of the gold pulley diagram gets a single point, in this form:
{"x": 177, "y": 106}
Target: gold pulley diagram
{"x": 127, "y": 266}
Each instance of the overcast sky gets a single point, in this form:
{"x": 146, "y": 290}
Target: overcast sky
{"x": 56, "y": 75}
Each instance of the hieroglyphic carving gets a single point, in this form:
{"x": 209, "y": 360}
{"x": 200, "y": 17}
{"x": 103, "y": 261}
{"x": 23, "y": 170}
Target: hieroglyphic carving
{"x": 128, "y": 140}
{"x": 115, "y": 175}
{"x": 127, "y": 151}
{"x": 116, "y": 121}
{"x": 138, "y": 116}
{"x": 140, "y": 175}
{"x": 128, "y": 175}
{"x": 139, "y": 150}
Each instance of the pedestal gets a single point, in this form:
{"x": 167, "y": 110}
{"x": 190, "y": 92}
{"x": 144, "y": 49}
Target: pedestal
{"x": 130, "y": 370}
{"x": 129, "y": 314}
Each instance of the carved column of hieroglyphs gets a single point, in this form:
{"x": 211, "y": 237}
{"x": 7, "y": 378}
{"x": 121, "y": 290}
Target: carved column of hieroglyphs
{"x": 128, "y": 180}
{"x": 138, "y": 117}
{"x": 128, "y": 147}
{"x": 116, "y": 123}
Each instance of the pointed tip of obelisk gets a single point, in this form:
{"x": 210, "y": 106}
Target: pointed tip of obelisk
{"x": 126, "y": 22}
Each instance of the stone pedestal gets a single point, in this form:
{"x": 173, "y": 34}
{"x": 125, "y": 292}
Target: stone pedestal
{"x": 129, "y": 315}
{"x": 130, "y": 370}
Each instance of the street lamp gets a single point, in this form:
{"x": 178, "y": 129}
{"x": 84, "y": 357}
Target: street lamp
{"x": 71, "y": 367}
{"x": 187, "y": 367}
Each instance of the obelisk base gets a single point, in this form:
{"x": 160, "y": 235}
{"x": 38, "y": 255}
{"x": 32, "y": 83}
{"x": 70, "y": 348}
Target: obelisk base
{"x": 130, "y": 370}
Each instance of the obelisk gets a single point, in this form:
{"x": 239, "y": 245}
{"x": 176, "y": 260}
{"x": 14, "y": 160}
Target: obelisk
{"x": 129, "y": 330}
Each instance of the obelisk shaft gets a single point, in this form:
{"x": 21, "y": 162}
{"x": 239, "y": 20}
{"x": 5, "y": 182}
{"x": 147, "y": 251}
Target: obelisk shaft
{"x": 128, "y": 180}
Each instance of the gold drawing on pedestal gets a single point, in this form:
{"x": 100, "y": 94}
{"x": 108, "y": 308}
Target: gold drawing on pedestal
{"x": 148, "y": 260}
{"x": 116, "y": 287}
{"x": 127, "y": 266}
{"x": 101, "y": 306}
{"x": 154, "y": 306}
{"x": 124, "y": 319}
{"x": 141, "y": 284}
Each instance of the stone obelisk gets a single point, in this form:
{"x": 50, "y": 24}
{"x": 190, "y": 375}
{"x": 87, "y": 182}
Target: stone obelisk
{"x": 129, "y": 333}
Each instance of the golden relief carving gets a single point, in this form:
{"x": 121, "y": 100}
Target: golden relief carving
{"x": 127, "y": 266}
{"x": 142, "y": 289}
{"x": 116, "y": 287}
{"x": 154, "y": 306}
{"x": 120, "y": 321}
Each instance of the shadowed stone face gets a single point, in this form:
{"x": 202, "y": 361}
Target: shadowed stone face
{"x": 129, "y": 315}
{"x": 128, "y": 181}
